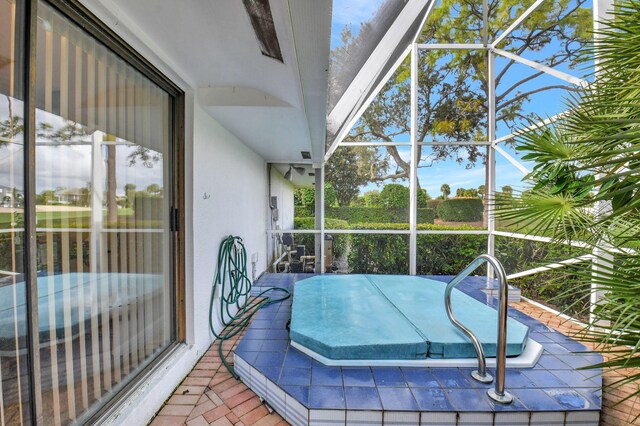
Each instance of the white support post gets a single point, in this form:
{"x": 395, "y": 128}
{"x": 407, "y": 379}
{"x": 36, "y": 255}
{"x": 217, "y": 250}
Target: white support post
{"x": 97, "y": 198}
{"x": 320, "y": 192}
{"x": 491, "y": 159}
{"x": 602, "y": 260}
{"x": 413, "y": 173}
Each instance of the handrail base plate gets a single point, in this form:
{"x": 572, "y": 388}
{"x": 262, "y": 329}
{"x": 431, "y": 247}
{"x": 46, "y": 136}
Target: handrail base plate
{"x": 506, "y": 398}
{"x": 487, "y": 378}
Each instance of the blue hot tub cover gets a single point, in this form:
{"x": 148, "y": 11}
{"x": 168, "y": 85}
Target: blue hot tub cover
{"x": 392, "y": 317}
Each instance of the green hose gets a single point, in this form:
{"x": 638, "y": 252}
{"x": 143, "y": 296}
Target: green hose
{"x": 234, "y": 290}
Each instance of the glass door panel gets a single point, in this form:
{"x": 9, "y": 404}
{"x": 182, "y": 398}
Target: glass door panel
{"x": 102, "y": 132}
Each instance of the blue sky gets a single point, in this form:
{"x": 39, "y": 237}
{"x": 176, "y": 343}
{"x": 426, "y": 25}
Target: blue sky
{"x": 544, "y": 104}
{"x": 350, "y": 12}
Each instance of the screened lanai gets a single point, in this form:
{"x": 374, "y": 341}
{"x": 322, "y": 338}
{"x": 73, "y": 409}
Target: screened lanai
{"x": 335, "y": 143}
{"x": 437, "y": 122}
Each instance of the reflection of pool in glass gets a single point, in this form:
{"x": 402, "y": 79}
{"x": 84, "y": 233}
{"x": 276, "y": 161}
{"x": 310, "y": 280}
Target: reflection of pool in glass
{"x": 370, "y": 319}
{"x": 76, "y": 298}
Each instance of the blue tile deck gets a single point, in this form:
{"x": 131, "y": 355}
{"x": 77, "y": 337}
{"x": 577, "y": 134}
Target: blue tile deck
{"x": 553, "y": 385}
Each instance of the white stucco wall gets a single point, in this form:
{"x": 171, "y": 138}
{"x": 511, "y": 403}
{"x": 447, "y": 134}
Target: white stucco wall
{"x": 234, "y": 179}
{"x": 283, "y": 189}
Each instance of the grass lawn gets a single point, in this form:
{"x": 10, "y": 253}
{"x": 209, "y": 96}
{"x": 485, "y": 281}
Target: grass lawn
{"x": 53, "y": 216}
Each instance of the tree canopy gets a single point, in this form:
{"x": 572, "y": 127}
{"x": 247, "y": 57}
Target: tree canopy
{"x": 452, "y": 98}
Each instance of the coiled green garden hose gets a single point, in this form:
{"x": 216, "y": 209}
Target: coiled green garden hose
{"x": 234, "y": 288}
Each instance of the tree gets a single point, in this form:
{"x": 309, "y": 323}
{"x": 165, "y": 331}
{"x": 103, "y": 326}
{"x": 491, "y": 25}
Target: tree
{"x": 146, "y": 156}
{"x": 482, "y": 190}
{"x": 351, "y": 168}
{"x": 154, "y": 189}
{"x": 394, "y": 195}
{"x": 446, "y": 190}
{"x": 453, "y": 84}
{"x": 507, "y": 191}
{"x": 467, "y": 193}
{"x": 130, "y": 194}
{"x": 12, "y": 126}
{"x": 47, "y": 196}
{"x": 85, "y": 195}
{"x": 306, "y": 197}
{"x": 423, "y": 197}
{"x": 330, "y": 197}
{"x": 372, "y": 198}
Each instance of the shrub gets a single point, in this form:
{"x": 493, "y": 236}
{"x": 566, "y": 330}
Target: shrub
{"x": 461, "y": 210}
{"x": 303, "y": 211}
{"x": 379, "y": 254}
{"x": 426, "y": 216}
{"x": 433, "y": 205}
{"x": 340, "y": 242}
{"x": 306, "y": 197}
{"x": 371, "y": 198}
{"x": 378, "y": 214}
{"x": 389, "y": 253}
{"x": 448, "y": 254}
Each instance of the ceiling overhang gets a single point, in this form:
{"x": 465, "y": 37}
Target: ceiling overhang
{"x": 276, "y": 108}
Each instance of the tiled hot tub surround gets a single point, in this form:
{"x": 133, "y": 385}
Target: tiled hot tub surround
{"x": 304, "y": 391}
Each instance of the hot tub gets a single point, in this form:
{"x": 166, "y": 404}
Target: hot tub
{"x": 396, "y": 320}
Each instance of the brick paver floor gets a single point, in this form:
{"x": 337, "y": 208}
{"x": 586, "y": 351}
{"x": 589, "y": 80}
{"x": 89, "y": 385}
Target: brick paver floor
{"x": 209, "y": 395}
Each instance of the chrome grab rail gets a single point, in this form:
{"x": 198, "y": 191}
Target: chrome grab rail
{"x": 498, "y": 394}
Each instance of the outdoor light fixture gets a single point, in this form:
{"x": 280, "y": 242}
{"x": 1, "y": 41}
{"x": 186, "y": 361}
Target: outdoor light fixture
{"x": 298, "y": 169}
{"x": 262, "y": 22}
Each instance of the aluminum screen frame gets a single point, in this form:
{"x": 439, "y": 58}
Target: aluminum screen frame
{"x": 380, "y": 58}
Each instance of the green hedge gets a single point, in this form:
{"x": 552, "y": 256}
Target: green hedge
{"x": 340, "y": 241}
{"x": 448, "y": 254}
{"x": 362, "y": 214}
{"x": 303, "y": 211}
{"x": 433, "y": 205}
{"x": 379, "y": 253}
{"x": 389, "y": 253}
{"x": 461, "y": 210}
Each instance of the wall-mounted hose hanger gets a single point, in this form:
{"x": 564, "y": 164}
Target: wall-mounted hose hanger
{"x": 232, "y": 287}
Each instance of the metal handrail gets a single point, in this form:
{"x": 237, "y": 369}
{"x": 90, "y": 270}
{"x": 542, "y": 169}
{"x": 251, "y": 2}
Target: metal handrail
{"x": 498, "y": 394}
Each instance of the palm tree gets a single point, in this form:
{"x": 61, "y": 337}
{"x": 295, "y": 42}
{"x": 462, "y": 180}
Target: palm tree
{"x": 587, "y": 188}
{"x": 446, "y": 190}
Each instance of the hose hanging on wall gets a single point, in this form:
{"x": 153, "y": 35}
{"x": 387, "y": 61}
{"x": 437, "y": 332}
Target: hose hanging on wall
{"x": 233, "y": 287}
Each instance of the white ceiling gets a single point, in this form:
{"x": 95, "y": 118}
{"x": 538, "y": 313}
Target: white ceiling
{"x": 276, "y": 109}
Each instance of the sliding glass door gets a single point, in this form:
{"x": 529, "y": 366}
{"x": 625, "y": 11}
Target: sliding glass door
{"x": 101, "y": 149}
